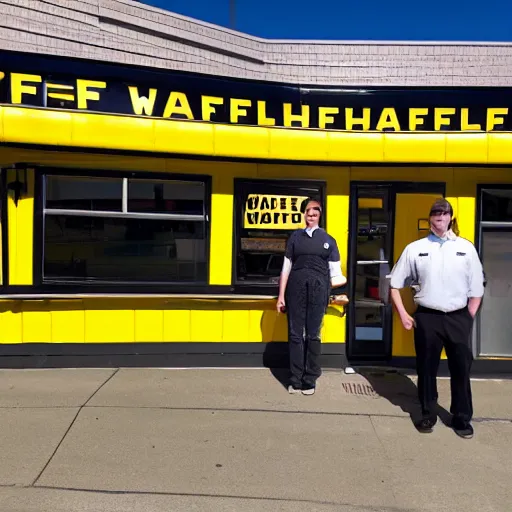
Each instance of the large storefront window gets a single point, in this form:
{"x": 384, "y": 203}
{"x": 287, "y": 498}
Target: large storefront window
{"x": 124, "y": 229}
{"x": 495, "y": 320}
{"x": 267, "y": 211}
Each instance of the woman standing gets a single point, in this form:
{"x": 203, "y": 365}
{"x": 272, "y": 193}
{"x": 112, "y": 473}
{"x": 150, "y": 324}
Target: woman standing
{"x": 311, "y": 267}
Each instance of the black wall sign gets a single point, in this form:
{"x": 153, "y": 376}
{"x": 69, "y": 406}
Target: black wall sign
{"x": 72, "y": 84}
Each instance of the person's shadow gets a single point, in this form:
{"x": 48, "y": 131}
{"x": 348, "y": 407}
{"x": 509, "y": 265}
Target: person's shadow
{"x": 399, "y": 390}
{"x": 276, "y": 359}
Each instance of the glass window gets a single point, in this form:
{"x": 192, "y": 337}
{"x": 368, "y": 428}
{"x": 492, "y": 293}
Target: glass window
{"x": 497, "y": 205}
{"x": 164, "y": 197}
{"x": 267, "y": 212}
{"x": 157, "y": 242}
{"x": 92, "y": 194}
{"x": 372, "y": 226}
{"x": 495, "y": 320}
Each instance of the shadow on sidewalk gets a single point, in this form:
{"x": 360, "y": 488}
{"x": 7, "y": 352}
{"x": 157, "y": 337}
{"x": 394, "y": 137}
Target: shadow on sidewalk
{"x": 399, "y": 390}
{"x": 276, "y": 359}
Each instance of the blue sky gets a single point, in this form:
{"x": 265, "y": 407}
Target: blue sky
{"x": 449, "y": 20}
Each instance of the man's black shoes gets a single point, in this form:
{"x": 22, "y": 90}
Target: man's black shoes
{"x": 462, "y": 428}
{"x": 425, "y": 425}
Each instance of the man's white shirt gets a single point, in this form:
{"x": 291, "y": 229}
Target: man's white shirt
{"x": 442, "y": 273}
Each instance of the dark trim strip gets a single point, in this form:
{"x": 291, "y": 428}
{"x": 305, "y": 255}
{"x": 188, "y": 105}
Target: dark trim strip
{"x": 208, "y": 355}
{"x": 136, "y": 349}
{"x": 84, "y": 355}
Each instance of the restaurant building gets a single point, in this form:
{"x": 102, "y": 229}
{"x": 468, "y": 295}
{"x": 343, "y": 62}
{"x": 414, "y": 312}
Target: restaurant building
{"x": 152, "y": 167}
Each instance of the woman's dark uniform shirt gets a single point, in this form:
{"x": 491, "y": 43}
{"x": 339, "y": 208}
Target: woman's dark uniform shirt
{"x": 313, "y": 252}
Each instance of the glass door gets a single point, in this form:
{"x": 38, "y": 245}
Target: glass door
{"x": 370, "y": 312}
{"x": 384, "y": 218}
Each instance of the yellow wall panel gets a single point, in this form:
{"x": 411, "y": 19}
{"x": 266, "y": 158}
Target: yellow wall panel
{"x": 206, "y": 325}
{"x": 68, "y": 322}
{"x": 199, "y": 138}
{"x": 149, "y": 325}
{"x": 84, "y": 160}
{"x": 184, "y": 137}
{"x": 411, "y": 147}
{"x": 298, "y": 144}
{"x": 274, "y": 326}
{"x": 253, "y": 142}
{"x": 333, "y": 329}
{"x": 466, "y": 216}
{"x": 20, "y": 229}
{"x": 12, "y": 231}
{"x": 37, "y": 323}
{"x": 177, "y": 325}
{"x": 11, "y": 325}
{"x": 467, "y": 148}
{"x": 500, "y": 148}
{"x": 104, "y": 131}
{"x": 221, "y": 231}
{"x": 107, "y": 324}
{"x": 34, "y": 126}
{"x": 235, "y": 325}
{"x": 337, "y": 224}
{"x": 254, "y": 329}
{"x": 337, "y": 209}
{"x": 355, "y": 147}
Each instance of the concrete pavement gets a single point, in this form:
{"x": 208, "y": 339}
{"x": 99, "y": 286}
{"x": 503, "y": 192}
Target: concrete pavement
{"x": 234, "y": 440}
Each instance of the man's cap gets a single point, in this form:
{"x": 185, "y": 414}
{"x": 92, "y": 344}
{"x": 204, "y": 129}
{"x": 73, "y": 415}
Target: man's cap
{"x": 441, "y": 205}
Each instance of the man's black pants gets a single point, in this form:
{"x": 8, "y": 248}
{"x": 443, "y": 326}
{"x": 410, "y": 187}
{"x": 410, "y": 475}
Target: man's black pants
{"x": 435, "y": 329}
{"x": 307, "y": 296}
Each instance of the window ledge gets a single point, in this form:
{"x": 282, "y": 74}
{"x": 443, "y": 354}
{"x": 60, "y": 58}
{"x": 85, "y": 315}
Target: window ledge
{"x": 79, "y": 296}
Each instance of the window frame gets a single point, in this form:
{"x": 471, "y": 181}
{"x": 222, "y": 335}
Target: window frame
{"x": 105, "y": 287}
{"x": 240, "y": 187}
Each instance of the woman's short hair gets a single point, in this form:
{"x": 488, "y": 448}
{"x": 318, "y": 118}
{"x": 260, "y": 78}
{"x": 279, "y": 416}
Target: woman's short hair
{"x": 313, "y": 203}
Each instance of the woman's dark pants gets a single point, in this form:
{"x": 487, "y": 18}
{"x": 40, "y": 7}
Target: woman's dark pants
{"x": 307, "y": 296}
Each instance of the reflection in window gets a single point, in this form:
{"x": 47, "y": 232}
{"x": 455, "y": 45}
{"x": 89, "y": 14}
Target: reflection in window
{"x": 495, "y": 318}
{"x": 90, "y": 194}
{"x": 166, "y": 197}
{"x": 98, "y": 244}
{"x": 124, "y": 249}
{"x": 372, "y": 226}
{"x": 497, "y": 205}
{"x": 267, "y": 213}
{"x": 369, "y": 324}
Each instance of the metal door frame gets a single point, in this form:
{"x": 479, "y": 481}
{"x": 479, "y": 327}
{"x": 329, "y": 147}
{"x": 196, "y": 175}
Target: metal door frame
{"x": 393, "y": 188}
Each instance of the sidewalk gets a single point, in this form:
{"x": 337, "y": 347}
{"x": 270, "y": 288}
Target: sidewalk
{"x": 136, "y": 440}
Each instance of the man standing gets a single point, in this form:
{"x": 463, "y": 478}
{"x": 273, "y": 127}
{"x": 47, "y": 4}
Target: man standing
{"x": 446, "y": 275}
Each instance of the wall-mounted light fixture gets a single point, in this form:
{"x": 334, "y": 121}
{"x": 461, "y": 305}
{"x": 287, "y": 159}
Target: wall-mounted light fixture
{"x": 19, "y": 186}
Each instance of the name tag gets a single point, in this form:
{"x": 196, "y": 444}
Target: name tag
{"x": 461, "y": 254}
{"x": 423, "y": 254}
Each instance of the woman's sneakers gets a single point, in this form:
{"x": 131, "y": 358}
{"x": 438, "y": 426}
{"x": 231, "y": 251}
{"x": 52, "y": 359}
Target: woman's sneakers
{"x": 305, "y": 390}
